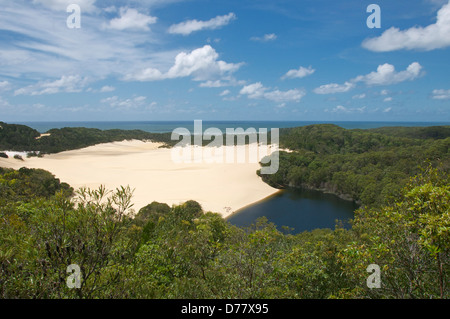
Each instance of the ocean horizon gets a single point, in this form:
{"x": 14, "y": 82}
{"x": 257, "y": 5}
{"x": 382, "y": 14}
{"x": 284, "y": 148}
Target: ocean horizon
{"x": 169, "y": 126}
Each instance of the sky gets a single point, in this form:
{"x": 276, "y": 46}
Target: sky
{"x": 149, "y": 60}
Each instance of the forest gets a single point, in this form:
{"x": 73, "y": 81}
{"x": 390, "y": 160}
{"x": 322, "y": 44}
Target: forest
{"x": 163, "y": 252}
{"x": 16, "y": 137}
{"x": 369, "y": 167}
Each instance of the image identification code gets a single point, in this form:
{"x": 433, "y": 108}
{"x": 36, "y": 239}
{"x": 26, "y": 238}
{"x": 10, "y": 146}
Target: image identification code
{"x": 236, "y": 308}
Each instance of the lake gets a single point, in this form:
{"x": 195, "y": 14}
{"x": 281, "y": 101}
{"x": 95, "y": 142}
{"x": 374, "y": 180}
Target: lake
{"x": 300, "y": 209}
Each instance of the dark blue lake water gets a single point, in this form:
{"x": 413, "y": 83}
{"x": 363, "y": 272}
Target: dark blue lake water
{"x": 302, "y": 210}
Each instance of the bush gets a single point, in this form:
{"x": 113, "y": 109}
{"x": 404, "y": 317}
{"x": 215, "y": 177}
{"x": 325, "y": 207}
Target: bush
{"x": 18, "y": 157}
{"x": 4, "y": 155}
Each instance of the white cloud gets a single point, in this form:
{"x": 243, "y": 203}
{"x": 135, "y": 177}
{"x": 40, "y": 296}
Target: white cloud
{"x": 388, "y": 109}
{"x": 107, "y": 88}
{"x": 257, "y": 91}
{"x": 61, "y": 5}
{"x": 298, "y": 73}
{"x": 110, "y": 9}
{"x": 386, "y": 75}
{"x": 253, "y": 91}
{"x": 187, "y": 27}
{"x": 225, "y": 92}
{"x": 130, "y": 103}
{"x": 202, "y": 64}
{"x": 334, "y": 88}
{"x": 43, "y": 51}
{"x": 434, "y": 36}
{"x": 441, "y": 94}
{"x": 343, "y": 109}
{"x": 224, "y": 81}
{"x": 293, "y": 95}
{"x": 359, "y": 96}
{"x": 4, "y": 85}
{"x": 4, "y": 104}
{"x": 131, "y": 19}
{"x": 265, "y": 38}
{"x": 68, "y": 84}
{"x": 388, "y": 99}
{"x": 384, "y": 92}
{"x": 340, "y": 108}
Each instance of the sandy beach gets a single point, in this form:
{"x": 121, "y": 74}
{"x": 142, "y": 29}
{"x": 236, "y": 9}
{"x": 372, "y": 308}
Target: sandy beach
{"x": 151, "y": 171}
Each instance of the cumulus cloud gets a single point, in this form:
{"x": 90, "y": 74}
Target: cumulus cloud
{"x": 384, "y": 75}
{"x": 187, "y": 27}
{"x": 433, "y": 36}
{"x": 67, "y": 83}
{"x": 258, "y": 91}
{"x": 265, "y": 38}
{"x": 298, "y": 73}
{"x": 334, "y": 88}
{"x": 441, "y": 94}
{"x": 131, "y": 19}
{"x": 107, "y": 88}
{"x": 225, "y": 92}
{"x": 202, "y": 64}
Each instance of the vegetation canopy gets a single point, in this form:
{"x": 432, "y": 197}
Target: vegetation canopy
{"x": 403, "y": 226}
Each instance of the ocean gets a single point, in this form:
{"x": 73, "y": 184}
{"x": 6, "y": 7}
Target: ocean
{"x": 169, "y": 126}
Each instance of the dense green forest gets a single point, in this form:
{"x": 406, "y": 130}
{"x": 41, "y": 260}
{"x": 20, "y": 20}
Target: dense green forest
{"x": 367, "y": 166}
{"x": 184, "y": 252}
{"x": 399, "y": 175}
{"x": 15, "y": 137}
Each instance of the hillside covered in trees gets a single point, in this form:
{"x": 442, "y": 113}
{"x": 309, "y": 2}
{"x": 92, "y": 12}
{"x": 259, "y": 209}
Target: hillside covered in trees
{"x": 15, "y": 137}
{"x": 367, "y": 166}
{"x": 400, "y": 176}
{"x": 184, "y": 252}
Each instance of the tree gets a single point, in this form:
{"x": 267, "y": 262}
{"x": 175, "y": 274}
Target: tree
{"x": 409, "y": 240}
{"x": 45, "y": 236}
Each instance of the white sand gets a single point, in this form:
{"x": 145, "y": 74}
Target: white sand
{"x": 218, "y": 187}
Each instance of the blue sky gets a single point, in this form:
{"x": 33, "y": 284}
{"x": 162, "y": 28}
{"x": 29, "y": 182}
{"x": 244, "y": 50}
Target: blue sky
{"x": 224, "y": 60}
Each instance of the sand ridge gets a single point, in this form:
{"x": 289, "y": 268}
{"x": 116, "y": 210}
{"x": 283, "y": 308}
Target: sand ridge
{"x": 151, "y": 171}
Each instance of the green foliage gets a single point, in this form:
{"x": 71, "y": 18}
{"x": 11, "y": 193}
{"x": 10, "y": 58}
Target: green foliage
{"x": 25, "y": 184}
{"x": 187, "y": 253}
{"x": 22, "y": 138}
{"x": 13, "y": 137}
{"x": 431, "y": 132}
{"x": 366, "y": 166}
{"x": 184, "y": 252}
{"x": 43, "y": 237}
{"x": 410, "y": 240}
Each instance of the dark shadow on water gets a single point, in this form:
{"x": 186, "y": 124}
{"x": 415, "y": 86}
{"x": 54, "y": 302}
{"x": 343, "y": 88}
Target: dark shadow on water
{"x": 302, "y": 210}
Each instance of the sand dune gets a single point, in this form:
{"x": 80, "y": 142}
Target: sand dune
{"x": 218, "y": 187}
